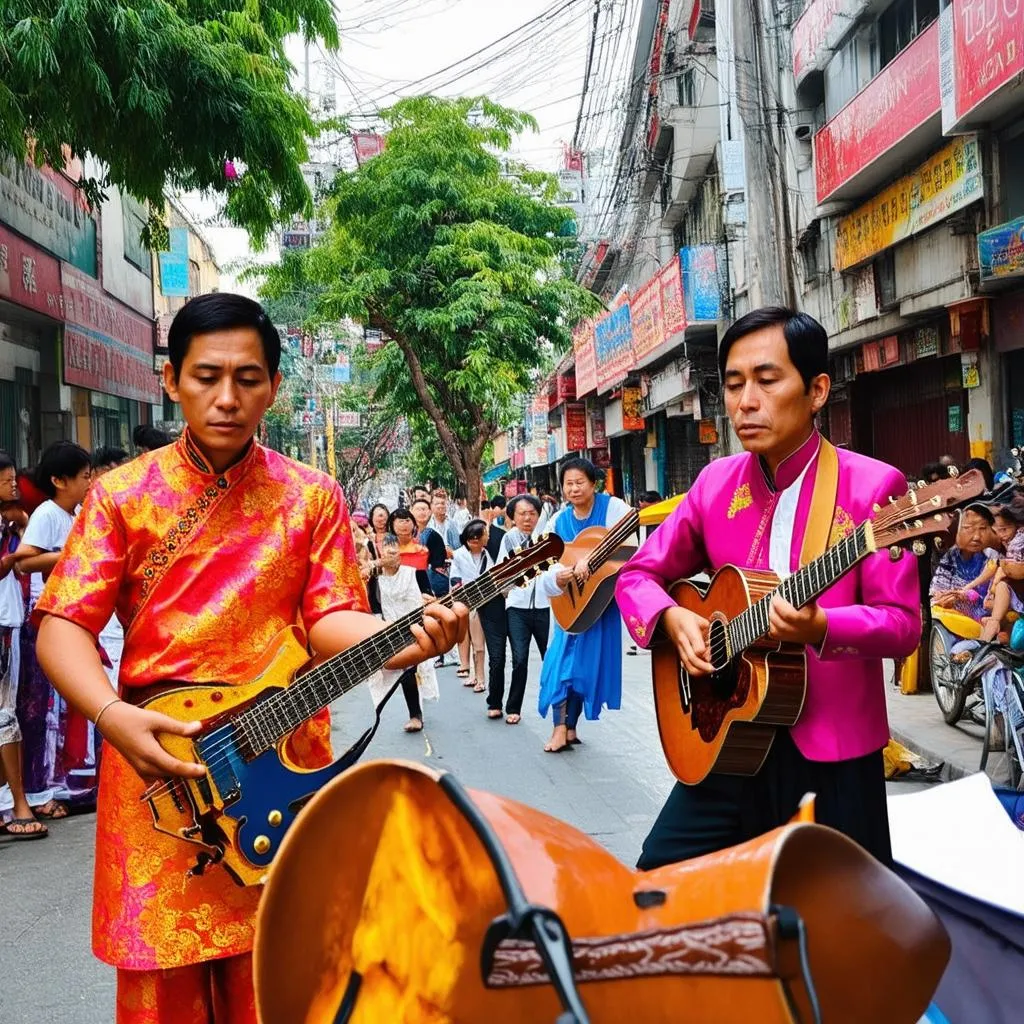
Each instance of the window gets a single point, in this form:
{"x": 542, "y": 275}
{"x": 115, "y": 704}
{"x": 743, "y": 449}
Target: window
{"x": 841, "y": 78}
{"x": 686, "y": 88}
{"x": 901, "y": 24}
{"x": 810, "y": 248}
{"x": 1011, "y": 181}
{"x": 885, "y": 280}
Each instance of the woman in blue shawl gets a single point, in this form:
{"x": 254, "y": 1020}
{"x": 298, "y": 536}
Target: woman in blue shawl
{"x": 581, "y": 672}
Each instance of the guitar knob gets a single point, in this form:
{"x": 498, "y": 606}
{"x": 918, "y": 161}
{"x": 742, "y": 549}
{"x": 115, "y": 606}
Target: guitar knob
{"x": 939, "y": 543}
{"x": 895, "y": 553}
{"x": 920, "y": 483}
{"x": 261, "y": 844}
{"x": 920, "y": 547}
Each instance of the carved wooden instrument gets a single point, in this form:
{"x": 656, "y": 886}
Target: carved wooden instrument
{"x": 580, "y": 605}
{"x": 240, "y": 810}
{"x": 726, "y": 722}
{"x": 399, "y": 896}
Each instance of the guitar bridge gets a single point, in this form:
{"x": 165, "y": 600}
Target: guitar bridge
{"x": 685, "y": 694}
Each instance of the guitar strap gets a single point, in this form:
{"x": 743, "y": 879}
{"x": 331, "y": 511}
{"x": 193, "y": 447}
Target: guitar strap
{"x": 823, "y": 504}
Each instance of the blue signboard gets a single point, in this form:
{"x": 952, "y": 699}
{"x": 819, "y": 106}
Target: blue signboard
{"x": 174, "y": 274}
{"x": 613, "y": 345}
{"x": 1001, "y": 251}
{"x": 700, "y": 283}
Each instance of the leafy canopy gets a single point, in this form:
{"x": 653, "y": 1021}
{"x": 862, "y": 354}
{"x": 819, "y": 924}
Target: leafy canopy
{"x": 455, "y": 257}
{"x": 164, "y": 92}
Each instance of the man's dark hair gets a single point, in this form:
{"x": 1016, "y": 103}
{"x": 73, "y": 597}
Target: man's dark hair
{"x": 529, "y": 499}
{"x": 986, "y": 471}
{"x": 400, "y": 513}
{"x": 473, "y": 530}
{"x": 498, "y": 501}
{"x": 150, "y": 438}
{"x": 107, "y": 456}
{"x": 220, "y": 311}
{"x": 652, "y": 496}
{"x": 6, "y": 462}
{"x": 806, "y": 339}
{"x": 983, "y": 511}
{"x": 62, "y": 459}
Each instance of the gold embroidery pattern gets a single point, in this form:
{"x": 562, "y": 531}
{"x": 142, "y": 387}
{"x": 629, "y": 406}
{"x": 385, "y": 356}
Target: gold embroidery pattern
{"x": 740, "y": 500}
{"x": 842, "y": 526}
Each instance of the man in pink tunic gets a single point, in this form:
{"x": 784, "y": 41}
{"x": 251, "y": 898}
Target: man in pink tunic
{"x": 752, "y": 510}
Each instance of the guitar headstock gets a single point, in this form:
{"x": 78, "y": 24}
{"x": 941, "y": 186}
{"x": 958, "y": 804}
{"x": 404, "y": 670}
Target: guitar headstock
{"x": 928, "y": 512}
{"x": 526, "y": 563}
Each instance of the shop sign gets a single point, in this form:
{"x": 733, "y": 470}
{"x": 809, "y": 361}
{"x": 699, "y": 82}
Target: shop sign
{"x": 707, "y": 432}
{"x": 107, "y": 346}
{"x": 954, "y": 419}
{"x": 987, "y": 52}
{"x": 586, "y": 359}
{"x": 668, "y": 385}
{"x": 575, "y": 426}
{"x": 700, "y": 283}
{"x": 537, "y": 450}
{"x": 818, "y": 30}
{"x": 347, "y": 418}
{"x": 613, "y": 345}
{"x": 1001, "y": 250}
{"x": 673, "y": 308}
{"x": 926, "y": 342}
{"x": 46, "y": 208}
{"x": 29, "y": 277}
{"x": 597, "y": 438}
{"x": 174, "y": 266}
{"x": 945, "y": 183}
{"x": 632, "y": 409}
{"x": 969, "y": 372}
{"x": 648, "y": 318}
{"x": 367, "y": 145}
{"x": 901, "y": 98}
{"x": 565, "y": 387}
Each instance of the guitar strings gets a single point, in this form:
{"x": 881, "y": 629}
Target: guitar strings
{"x": 377, "y": 644}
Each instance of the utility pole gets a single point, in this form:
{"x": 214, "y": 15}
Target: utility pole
{"x": 770, "y": 275}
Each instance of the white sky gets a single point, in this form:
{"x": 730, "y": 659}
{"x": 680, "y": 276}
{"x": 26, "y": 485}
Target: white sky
{"x": 389, "y": 46}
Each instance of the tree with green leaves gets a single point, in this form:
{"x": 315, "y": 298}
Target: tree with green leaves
{"x": 457, "y": 258}
{"x": 165, "y": 94}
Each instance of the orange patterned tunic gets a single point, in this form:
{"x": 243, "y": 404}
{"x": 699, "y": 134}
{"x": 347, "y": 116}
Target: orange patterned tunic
{"x": 203, "y": 571}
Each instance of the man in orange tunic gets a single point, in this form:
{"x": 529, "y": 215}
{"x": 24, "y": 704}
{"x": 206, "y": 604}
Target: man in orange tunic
{"x": 206, "y": 549}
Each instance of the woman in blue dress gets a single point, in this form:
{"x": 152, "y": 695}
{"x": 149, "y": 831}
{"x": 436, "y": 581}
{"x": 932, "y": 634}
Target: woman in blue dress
{"x": 582, "y": 673}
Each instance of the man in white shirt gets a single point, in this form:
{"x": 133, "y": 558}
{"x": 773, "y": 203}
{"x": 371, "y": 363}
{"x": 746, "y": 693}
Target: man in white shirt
{"x": 445, "y": 527}
{"x": 527, "y": 609}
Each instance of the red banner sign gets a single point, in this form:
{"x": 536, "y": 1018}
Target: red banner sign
{"x": 586, "y": 359}
{"x": 30, "y": 277}
{"x": 565, "y": 387}
{"x": 988, "y": 43}
{"x": 367, "y": 145}
{"x": 107, "y": 346}
{"x": 902, "y": 97}
{"x": 822, "y": 22}
{"x": 673, "y": 307}
{"x": 575, "y": 427}
{"x": 648, "y": 318}
{"x": 632, "y": 409}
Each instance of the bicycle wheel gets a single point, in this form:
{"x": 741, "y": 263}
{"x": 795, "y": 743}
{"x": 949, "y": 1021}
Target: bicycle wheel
{"x": 947, "y": 682}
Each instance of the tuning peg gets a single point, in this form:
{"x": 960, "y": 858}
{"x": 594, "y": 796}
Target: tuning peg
{"x": 895, "y": 553}
{"x": 876, "y": 507}
{"x": 920, "y": 483}
{"x": 953, "y": 471}
{"x": 939, "y": 543}
{"x": 920, "y": 547}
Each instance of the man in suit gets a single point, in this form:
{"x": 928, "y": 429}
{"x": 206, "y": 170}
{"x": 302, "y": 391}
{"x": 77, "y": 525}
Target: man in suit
{"x": 753, "y": 510}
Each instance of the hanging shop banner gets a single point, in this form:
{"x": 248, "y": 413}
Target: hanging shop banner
{"x": 673, "y": 309}
{"x": 945, "y": 183}
{"x": 107, "y": 346}
{"x": 700, "y": 283}
{"x": 596, "y": 437}
{"x": 648, "y": 318}
{"x": 29, "y": 277}
{"x": 586, "y": 358}
{"x": 367, "y": 145}
{"x": 818, "y": 31}
{"x": 537, "y": 449}
{"x": 575, "y": 426}
{"x": 1001, "y": 251}
{"x": 613, "y": 343}
{"x": 632, "y": 409}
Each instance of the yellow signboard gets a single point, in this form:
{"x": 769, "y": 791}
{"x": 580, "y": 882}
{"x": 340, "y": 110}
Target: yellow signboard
{"x": 947, "y": 182}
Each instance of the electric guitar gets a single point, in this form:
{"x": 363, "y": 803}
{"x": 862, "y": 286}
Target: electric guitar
{"x": 238, "y": 813}
{"x": 580, "y": 605}
{"x": 726, "y": 722}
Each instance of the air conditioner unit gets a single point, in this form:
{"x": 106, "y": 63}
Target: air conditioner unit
{"x": 803, "y": 125}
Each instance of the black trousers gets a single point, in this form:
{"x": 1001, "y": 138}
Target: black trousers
{"x": 727, "y": 809}
{"x": 411, "y": 693}
{"x": 524, "y": 624}
{"x": 492, "y": 620}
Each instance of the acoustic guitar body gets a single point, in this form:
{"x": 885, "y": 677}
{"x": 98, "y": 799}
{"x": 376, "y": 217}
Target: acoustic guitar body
{"x": 726, "y": 722}
{"x": 579, "y": 606}
{"x": 391, "y": 897}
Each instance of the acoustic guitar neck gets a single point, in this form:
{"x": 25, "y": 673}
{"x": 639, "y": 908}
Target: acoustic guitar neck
{"x": 803, "y": 587}
{"x": 617, "y": 535}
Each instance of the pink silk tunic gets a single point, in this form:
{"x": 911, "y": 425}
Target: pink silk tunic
{"x": 203, "y": 569}
{"x": 873, "y": 612}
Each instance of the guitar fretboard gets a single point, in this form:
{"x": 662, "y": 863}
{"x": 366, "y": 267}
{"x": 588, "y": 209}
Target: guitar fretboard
{"x": 611, "y": 542}
{"x": 801, "y": 588}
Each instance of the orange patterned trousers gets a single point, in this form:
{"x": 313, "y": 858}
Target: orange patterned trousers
{"x": 214, "y": 992}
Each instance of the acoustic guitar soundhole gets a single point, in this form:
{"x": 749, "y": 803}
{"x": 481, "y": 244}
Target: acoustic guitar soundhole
{"x": 713, "y": 697}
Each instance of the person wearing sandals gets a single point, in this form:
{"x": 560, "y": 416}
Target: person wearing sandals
{"x": 528, "y": 611}
{"x": 22, "y": 824}
{"x": 469, "y": 561}
{"x": 402, "y": 590}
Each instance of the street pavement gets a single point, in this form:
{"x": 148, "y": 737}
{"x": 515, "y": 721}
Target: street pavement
{"x": 610, "y": 787}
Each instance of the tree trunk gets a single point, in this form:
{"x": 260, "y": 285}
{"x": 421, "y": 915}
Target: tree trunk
{"x": 473, "y": 476}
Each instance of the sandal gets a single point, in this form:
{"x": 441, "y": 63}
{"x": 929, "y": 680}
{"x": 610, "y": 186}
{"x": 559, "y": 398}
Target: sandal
{"x": 494, "y": 712}
{"x": 512, "y": 719}
{"x": 52, "y": 810}
{"x": 463, "y": 673}
{"x": 413, "y": 725}
{"x": 478, "y": 687}
{"x": 27, "y": 828}
{"x": 557, "y": 750}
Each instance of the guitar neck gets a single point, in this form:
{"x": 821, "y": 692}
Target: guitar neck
{"x": 267, "y": 722}
{"x": 613, "y": 540}
{"x": 803, "y": 587}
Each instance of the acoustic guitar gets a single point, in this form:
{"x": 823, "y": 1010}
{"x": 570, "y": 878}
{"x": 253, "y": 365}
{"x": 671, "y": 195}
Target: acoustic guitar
{"x": 580, "y": 605}
{"x": 401, "y": 897}
{"x": 238, "y": 813}
{"x": 726, "y": 722}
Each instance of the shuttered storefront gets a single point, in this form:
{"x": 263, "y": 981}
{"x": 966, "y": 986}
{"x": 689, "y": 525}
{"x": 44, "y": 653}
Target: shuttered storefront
{"x": 685, "y": 456}
{"x": 912, "y": 415}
